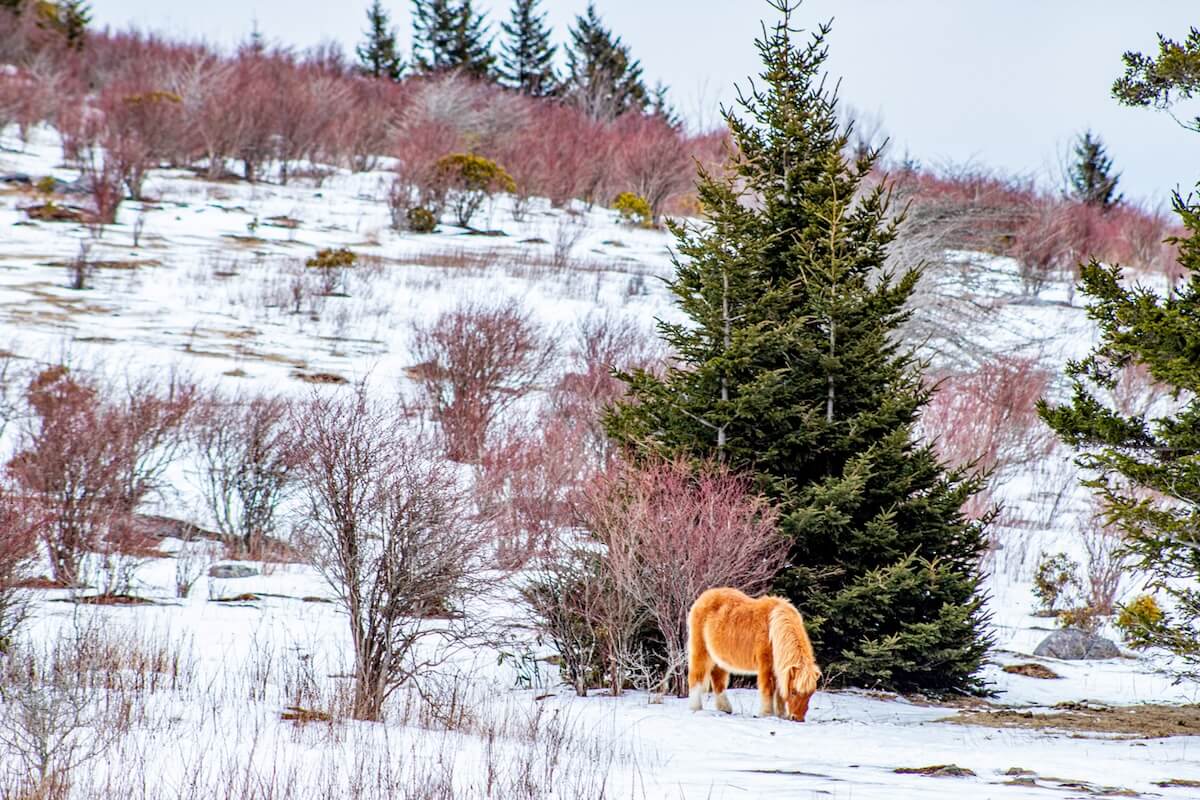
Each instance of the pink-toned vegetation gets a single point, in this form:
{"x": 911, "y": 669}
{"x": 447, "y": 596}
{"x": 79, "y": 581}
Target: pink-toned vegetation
{"x": 474, "y": 362}
{"x": 528, "y": 488}
{"x": 988, "y": 418}
{"x": 87, "y": 455}
{"x": 671, "y": 531}
{"x": 1049, "y": 234}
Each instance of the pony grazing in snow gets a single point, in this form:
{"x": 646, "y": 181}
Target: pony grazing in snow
{"x": 730, "y": 632}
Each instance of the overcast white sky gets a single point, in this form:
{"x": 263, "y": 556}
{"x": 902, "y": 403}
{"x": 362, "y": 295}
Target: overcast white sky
{"x": 1003, "y": 83}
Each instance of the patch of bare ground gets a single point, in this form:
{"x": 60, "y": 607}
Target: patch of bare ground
{"x": 937, "y": 771}
{"x": 319, "y": 377}
{"x": 110, "y": 264}
{"x": 1178, "y": 783}
{"x": 1130, "y": 722}
{"x": 1029, "y": 778}
{"x": 1031, "y": 670}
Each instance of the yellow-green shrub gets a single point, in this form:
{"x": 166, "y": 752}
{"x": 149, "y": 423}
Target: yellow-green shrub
{"x": 469, "y": 180}
{"x": 1138, "y": 619}
{"x": 333, "y": 258}
{"x": 634, "y": 209}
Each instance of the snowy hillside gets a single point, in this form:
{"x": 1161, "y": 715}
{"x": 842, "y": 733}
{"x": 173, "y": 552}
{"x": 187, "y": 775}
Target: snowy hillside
{"x": 215, "y": 287}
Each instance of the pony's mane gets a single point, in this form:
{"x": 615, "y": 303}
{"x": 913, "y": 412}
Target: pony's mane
{"x": 790, "y": 646}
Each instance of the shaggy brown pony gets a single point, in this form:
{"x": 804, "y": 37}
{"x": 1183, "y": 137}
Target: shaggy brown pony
{"x": 730, "y": 632}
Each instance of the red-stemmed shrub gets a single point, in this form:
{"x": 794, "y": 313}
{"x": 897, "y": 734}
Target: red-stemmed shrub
{"x": 988, "y": 418}
{"x": 473, "y": 363}
{"x": 18, "y": 552}
{"x": 69, "y": 459}
{"x": 671, "y": 530}
{"x": 528, "y": 489}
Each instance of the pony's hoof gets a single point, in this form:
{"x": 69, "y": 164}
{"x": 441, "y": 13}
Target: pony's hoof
{"x": 695, "y": 705}
{"x": 724, "y": 705}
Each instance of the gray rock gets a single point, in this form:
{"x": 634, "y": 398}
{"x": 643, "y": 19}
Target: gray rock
{"x": 19, "y": 178}
{"x": 1072, "y": 644}
{"x": 231, "y": 571}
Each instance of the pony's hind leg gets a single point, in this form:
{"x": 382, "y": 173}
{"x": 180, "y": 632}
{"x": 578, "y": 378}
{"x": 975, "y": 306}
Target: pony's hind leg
{"x": 700, "y": 668}
{"x": 720, "y": 679}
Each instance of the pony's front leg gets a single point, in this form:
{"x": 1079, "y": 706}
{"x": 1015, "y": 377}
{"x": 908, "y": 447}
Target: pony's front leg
{"x": 780, "y": 705}
{"x": 766, "y": 690}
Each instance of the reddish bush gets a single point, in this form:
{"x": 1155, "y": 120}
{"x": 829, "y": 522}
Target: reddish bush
{"x": 528, "y": 490}
{"x": 87, "y": 459}
{"x": 603, "y": 343}
{"x": 672, "y": 530}
{"x": 650, "y": 161}
{"x": 473, "y": 363}
{"x": 18, "y": 550}
{"x": 70, "y": 459}
{"x": 989, "y": 417}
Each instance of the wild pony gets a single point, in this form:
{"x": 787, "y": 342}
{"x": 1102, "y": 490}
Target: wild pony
{"x": 731, "y": 632}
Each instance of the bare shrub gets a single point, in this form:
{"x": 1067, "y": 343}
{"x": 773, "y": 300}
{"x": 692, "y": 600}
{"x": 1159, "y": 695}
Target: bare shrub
{"x": 247, "y": 457}
{"x": 18, "y": 549}
{"x": 151, "y": 418}
{"x": 385, "y": 523}
{"x": 70, "y": 458}
{"x": 89, "y": 458}
{"x": 51, "y": 724}
{"x": 474, "y": 362}
{"x": 603, "y": 345}
{"x": 569, "y": 229}
{"x": 673, "y": 530}
{"x": 190, "y": 562}
{"x": 988, "y": 418}
{"x": 1104, "y": 567}
{"x": 80, "y": 268}
{"x": 527, "y": 489}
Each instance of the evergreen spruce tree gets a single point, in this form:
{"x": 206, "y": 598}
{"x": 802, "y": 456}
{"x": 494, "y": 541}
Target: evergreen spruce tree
{"x": 602, "y": 77}
{"x": 1144, "y": 467}
{"x": 789, "y": 368}
{"x": 526, "y": 55}
{"x": 377, "y": 56}
{"x": 1091, "y": 176}
{"x": 1164, "y": 81}
{"x": 451, "y": 36}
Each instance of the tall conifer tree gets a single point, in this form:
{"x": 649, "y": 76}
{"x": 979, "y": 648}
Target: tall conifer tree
{"x": 526, "y": 55}
{"x": 451, "y": 36}
{"x": 1092, "y": 179}
{"x": 377, "y": 56}
{"x": 1144, "y": 467}
{"x": 790, "y": 368}
{"x": 602, "y": 77}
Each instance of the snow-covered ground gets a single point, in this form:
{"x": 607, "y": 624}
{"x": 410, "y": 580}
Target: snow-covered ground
{"x": 208, "y": 290}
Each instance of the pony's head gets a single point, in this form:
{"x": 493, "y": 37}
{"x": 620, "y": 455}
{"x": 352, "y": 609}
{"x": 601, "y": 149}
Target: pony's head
{"x": 799, "y": 688}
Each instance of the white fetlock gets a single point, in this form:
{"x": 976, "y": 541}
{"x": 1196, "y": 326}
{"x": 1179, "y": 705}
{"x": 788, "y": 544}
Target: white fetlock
{"x": 694, "y": 703}
{"x": 723, "y": 704}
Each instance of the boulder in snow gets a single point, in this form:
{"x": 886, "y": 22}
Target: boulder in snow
{"x": 231, "y": 571}
{"x": 1072, "y": 644}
